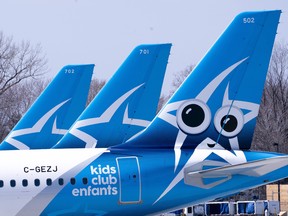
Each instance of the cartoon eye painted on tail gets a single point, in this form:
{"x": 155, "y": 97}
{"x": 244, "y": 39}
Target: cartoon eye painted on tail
{"x": 193, "y": 117}
{"x": 229, "y": 121}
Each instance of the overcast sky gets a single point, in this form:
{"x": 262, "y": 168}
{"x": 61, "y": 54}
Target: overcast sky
{"x": 105, "y": 32}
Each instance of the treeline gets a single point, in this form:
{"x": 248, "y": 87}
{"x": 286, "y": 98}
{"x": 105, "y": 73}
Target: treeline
{"x": 22, "y": 67}
{"x": 271, "y": 131}
{"x": 22, "y": 70}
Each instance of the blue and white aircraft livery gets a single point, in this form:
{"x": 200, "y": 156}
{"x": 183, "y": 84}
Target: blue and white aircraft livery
{"x": 195, "y": 149}
{"x": 125, "y": 105}
{"x": 53, "y": 112}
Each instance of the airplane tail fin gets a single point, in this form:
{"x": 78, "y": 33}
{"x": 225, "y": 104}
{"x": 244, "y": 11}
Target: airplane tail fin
{"x": 219, "y": 101}
{"x": 126, "y": 104}
{"x": 53, "y": 112}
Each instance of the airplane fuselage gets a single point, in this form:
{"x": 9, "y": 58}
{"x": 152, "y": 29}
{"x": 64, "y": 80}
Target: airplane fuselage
{"x": 100, "y": 182}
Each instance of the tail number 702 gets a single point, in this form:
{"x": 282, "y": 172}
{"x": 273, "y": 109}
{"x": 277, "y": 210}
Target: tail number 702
{"x": 144, "y": 51}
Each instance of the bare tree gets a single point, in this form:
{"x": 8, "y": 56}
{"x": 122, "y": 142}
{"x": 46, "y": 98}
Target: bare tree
{"x": 177, "y": 81}
{"x": 272, "y": 123}
{"x": 15, "y": 101}
{"x": 180, "y": 77}
{"x": 95, "y": 87}
{"x": 19, "y": 62}
{"x": 162, "y": 101}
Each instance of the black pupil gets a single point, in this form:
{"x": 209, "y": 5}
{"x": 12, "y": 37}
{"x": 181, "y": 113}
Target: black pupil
{"x": 193, "y": 115}
{"x": 229, "y": 123}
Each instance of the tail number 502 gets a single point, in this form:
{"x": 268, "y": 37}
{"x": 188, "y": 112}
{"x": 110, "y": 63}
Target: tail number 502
{"x": 249, "y": 20}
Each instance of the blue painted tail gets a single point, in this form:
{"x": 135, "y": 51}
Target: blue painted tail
{"x": 53, "y": 112}
{"x": 219, "y": 102}
{"x": 126, "y": 104}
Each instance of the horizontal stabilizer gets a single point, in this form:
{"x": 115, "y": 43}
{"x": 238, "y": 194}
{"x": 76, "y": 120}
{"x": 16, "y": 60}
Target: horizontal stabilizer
{"x": 222, "y": 174}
